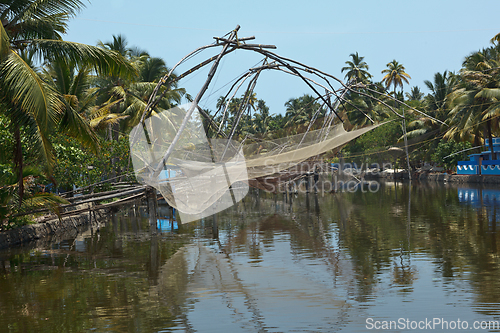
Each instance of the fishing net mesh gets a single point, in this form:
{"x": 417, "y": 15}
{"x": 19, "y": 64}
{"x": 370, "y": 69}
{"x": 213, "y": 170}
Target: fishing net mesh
{"x": 204, "y": 175}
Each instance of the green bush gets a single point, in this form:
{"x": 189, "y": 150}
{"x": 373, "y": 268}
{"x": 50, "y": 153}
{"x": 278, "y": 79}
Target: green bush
{"x": 442, "y": 157}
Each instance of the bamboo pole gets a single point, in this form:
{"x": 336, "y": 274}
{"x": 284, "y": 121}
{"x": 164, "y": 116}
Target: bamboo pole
{"x": 406, "y": 145}
{"x": 99, "y": 194}
{"x": 99, "y": 198}
{"x": 284, "y": 63}
{"x": 248, "y": 93}
{"x": 193, "y": 106}
{"x": 106, "y": 197}
{"x": 242, "y": 79}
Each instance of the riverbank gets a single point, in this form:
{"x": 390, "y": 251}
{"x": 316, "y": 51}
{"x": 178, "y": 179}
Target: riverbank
{"x": 440, "y": 177}
{"x": 52, "y": 228}
{"x": 444, "y": 177}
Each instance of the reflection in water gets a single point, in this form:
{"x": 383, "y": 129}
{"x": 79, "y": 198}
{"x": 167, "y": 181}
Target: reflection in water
{"x": 274, "y": 262}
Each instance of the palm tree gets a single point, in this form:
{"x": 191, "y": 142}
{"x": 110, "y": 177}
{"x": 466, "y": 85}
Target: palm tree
{"x": 123, "y": 98}
{"x": 395, "y": 76}
{"x": 9, "y": 200}
{"x": 119, "y": 44}
{"x": 301, "y": 110}
{"x": 262, "y": 118}
{"x": 296, "y": 111}
{"x": 465, "y": 110}
{"x": 251, "y": 100}
{"x": 34, "y": 107}
{"x": 356, "y": 69}
{"x": 435, "y": 104}
{"x": 441, "y": 87}
{"x": 475, "y": 103}
{"x": 496, "y": 39}
{"x": 415, "y": 94}
{"x": 234, "y": 105}
{"x": 74, "y": 86}
{"x": 361, "y": 108}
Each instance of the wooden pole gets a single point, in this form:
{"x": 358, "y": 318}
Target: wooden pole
{"x": 215, "y": 227}
{"x": 151, "y": 200}
{"x": 406, "y": 145}
{"x": 195, "y": 102}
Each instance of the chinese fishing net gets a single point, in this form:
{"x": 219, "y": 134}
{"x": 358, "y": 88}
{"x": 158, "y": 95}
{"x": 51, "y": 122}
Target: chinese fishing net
{"x": 203, "y": 175}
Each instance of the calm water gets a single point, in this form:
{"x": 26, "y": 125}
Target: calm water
{"x": 334, "y": 262}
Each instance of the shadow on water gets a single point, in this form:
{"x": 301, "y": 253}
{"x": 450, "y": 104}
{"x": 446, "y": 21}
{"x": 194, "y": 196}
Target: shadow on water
{"x": 274, "y": 262}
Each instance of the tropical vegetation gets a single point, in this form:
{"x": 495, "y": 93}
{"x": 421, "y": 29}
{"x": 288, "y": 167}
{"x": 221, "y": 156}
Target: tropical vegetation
{"x": 57, "y": 98}
{"x": 66, "y": 109}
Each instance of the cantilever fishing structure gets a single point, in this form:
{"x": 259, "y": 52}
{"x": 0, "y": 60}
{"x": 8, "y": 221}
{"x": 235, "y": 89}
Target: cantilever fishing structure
{"x": 209, "y": 169}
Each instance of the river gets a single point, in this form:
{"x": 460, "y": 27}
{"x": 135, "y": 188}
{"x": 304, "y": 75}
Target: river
{"x": 399, "y": 257}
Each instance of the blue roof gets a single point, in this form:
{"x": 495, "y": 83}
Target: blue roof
{"x": 486, "y": 152}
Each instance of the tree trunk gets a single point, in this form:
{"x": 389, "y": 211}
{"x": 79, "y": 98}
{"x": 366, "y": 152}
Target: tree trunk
{"x": 18, "y": 161}
{"x": 113, "y": 136}
{"x": 490, "y": 138}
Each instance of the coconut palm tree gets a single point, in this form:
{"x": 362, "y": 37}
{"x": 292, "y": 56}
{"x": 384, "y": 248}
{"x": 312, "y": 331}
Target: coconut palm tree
{"x": 356, "y": 69}
{"x": 260, "y": 122}
{"x": 118, "y": 44}
{"x": 475, "y": 103}
{"x": 123, "y": 98}
{"x": 34, "y": 108}
{"x": 301, "y": 110}
{"x": 440, "y": 89}
{"x": 415, "y": 94}
{"x": 360, "y": 109}
{"x": 296, "y": 111}
{"x": 395, "y": 76}
{"x": 435, "y": 104}
{"x": 74, "y": 85}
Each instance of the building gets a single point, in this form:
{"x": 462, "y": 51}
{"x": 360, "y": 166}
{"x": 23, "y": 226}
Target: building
{"x": 483, "y": 163}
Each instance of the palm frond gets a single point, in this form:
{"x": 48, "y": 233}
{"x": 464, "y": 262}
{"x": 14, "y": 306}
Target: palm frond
{"x": 43, "y": 200}
{"x": 74, "y": 125}
{"x": 27, "y": 91}
{"x": 105, "y": 109}
{"x": 491, "y": 112}
{"x": 81, "y": 82}
{"x": 49, "y": 27}
{"x": 489, "y": 93}
{"x": 38, "y": 9}
{"x": 104, "y": 62}
{"x": 87, "y": 101}
{"x": 31, "y": 102}
{"x": 4, "y": 43}
{"x": 103, "y": 122}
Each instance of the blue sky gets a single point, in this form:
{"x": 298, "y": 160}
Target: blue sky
{"x": 425, "y": 36}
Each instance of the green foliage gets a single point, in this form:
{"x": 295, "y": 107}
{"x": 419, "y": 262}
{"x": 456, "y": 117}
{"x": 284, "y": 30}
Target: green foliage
{"x": 34, "y": 198}
{"x": 446, "y": 148}
{"x": 6, "y": 142}
{"x": 80, "y": 167}
{"x": 30, "y": 104}
{"x": 371, "y": 146}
